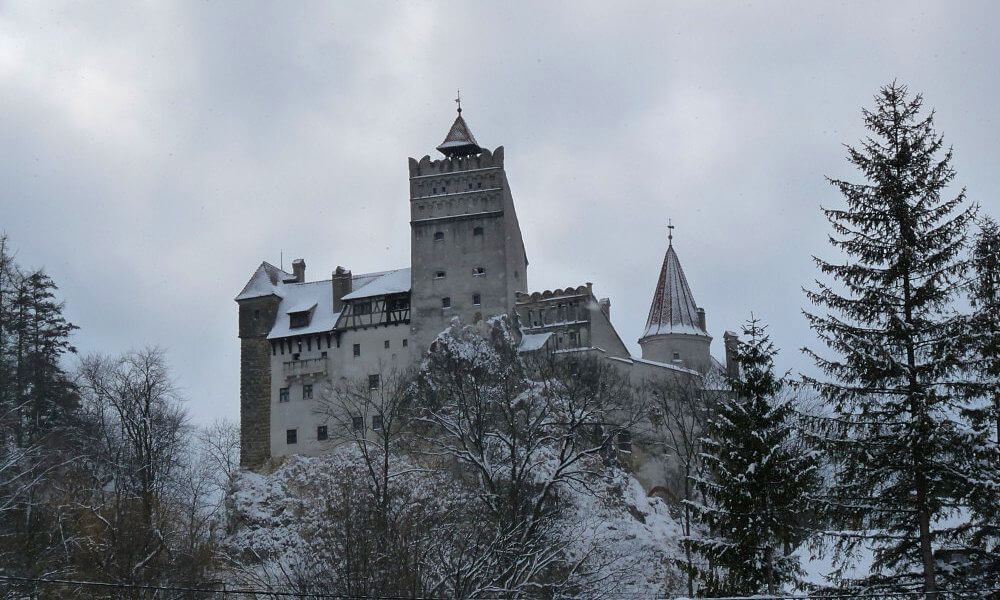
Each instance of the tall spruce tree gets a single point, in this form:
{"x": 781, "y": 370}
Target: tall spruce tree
{"x": 756, "y": 480}
{"x": 982, "y": 539}
{"x": 895, "y": 438}
{"x": 984, "y": 295}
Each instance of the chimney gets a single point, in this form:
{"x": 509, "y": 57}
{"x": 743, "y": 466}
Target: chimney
{"x": 299, "y": 270}
{"x": 701, "y": 320}
{"x": 732, "y": 367}
{"x": 341, "y": 287}
{"x": 605, "y": 304}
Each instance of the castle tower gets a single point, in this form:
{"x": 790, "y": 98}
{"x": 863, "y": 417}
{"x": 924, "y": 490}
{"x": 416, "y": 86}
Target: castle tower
{"x": 675, "y": 330}
{"x": 467, "y": 257}
{"x": 258, "y": 309}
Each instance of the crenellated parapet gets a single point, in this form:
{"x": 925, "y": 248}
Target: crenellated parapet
{"x": 484, "y": 160}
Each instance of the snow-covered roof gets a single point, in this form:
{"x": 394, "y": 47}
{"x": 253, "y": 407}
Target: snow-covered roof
{"x": 264, "y": 282}
{"x": 297, "y": 297}
{"x": 673, "y": 309}
{"x": 666, "y": 366}
{"x": 315, "y": 296}
{"x": 387, "y": 282}
{"x": 531, "y": 342}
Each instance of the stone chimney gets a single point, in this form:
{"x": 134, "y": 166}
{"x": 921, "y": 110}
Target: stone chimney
{"x": 732, "y": 367}
{"x": 342, "y": 285}
{"x": 299, "y": 270}
{"x": 605, "y": 304}
{"x": 701, "y": 319}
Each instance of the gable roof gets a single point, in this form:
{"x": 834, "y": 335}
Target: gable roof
{"x": 673, "y": 309}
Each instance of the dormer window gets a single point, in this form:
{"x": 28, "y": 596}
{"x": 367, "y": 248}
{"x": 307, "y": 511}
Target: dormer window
{"x": 438, "y": 236}
{"x": 478, "y": 271}
{"x": 439, "y": 275}
{"x": 300, "y": 316}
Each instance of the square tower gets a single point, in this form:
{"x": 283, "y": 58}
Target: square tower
{"x": 466, "y": 252}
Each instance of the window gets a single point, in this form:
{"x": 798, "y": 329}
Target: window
{"x": 677, "y": 356}
{"x": 438, "y": 236}
{"x": 358, "y": 423}
{"x": 361, "y": 308}
{"x": 479, "y": 185}
{"x": 439, "y": 275}
{"x": 307, "y": 391}
{"x": 291, "y": 436}
{"x": 446, "y": 302}
{"x": 283, "y": 395}
{"x": 404, "y": 342}
{"x": 476, "y": 271}
{"x": 476, "y": 299}
{"x": 477, "y": 231}
{"x": 387, "y": 344}
{"x": 321, "y": 433}
{"x": 373, "y": 382}
{"x": 324, "y": 354}
{"x": 624, "y": 441}
{"x": 298, "y": 319}
{"x": 357, "y": 349}
{"x": 377, "y": 422}
{"x": 256, "y": 315}
{"x": 295, "y": 356}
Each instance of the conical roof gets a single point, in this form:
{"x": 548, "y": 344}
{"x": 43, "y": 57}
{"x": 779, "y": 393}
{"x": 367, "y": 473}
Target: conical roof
{"x": 459, "y": 141}
{"x": 673, "y": 309}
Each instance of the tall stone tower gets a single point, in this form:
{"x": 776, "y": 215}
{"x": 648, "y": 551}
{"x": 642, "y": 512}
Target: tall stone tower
{"x": 258, "y": 309}
{"x": 675, "y": 330}
{"x": 467, "y": 257}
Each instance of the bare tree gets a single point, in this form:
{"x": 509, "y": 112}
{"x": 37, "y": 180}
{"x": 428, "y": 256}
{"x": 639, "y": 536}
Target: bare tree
{"x": 677, "y": 418}
{"x": 520, "y": 441}
{"x": 372, "y": 413}
{"x": 138, "y": 441}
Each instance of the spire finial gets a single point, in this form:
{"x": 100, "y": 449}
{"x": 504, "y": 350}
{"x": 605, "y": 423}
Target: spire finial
{"x": 670, "y": 232}
{"x": 458, "y": 100}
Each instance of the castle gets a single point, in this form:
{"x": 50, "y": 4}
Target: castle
{"x": 467, "y": 260}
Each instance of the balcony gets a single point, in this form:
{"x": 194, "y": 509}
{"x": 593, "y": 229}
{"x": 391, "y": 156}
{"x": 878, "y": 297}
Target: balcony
{"x": 303, "y": 368}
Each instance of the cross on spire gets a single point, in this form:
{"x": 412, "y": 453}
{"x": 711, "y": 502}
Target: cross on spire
{"x": 670, "y": 232}
{"x": 458, "y": 101}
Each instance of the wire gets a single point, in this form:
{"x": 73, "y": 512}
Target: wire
{"x": 942, "y": 595}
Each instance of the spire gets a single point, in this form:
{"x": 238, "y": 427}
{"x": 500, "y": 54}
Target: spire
{"x": 673, "y": 309}
{"x": 459, "y": 141}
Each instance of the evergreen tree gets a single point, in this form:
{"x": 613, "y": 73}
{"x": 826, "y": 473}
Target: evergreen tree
{"x": 983, "y": 531}
{"x": 896, "y": 438}
{"x": 985, "y": 299}
{"x": 756, "y": 480}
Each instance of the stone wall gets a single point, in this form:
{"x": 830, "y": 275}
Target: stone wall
{"x": 255, "y": 401}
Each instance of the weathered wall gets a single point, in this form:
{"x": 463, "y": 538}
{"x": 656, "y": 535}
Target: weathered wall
{"x": 305, "y": 415}
{"x": 256, "y": 316}
{"x": 693, "y": 350}
{"x": 449, "y": 199}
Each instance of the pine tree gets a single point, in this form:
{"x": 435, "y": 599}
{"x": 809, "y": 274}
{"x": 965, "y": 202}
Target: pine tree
{"x": 983, "y": 532}
{"x": 895, "y": 438}
{"x": 985, "y": 299}
{"x": 756, "y": 480}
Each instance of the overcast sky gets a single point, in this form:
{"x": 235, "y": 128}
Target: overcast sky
{"x": 152, "y": 154}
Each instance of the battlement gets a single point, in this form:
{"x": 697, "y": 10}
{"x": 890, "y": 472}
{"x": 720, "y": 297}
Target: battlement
{"x": 426, "y": 167}
{"x": 525, "y": 298}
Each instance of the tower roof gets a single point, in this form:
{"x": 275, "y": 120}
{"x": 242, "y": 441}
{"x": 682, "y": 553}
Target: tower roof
{"x": 459, "y": 141}
{"x": 673, "y": 309}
